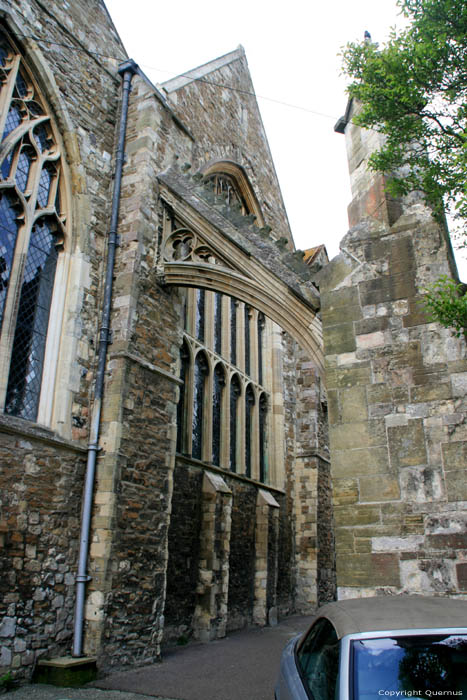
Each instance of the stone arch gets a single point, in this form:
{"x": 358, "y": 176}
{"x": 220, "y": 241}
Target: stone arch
{"x": 264, "y": 292}
{"x": 238, "y": 174}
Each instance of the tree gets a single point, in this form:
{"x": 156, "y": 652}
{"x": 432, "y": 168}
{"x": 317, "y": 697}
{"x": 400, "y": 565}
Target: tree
{"x": 414, "y": 91}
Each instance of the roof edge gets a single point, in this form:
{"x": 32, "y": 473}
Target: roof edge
{"x": 201, "y": 71}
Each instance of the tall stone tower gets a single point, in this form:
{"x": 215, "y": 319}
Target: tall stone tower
{"x": 396, "y": 388}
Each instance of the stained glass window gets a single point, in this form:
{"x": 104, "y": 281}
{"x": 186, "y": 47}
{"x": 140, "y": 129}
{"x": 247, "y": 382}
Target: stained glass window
{"x": 29, "y": 242}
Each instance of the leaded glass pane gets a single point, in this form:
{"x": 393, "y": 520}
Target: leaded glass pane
{"x": 27, "y": 358}
{"x": 12, "y": 121}
{"x": 8, "y": 235}
{"x": 4, "y": 53}
{"x": 43, "y": 191}
{"x": 6, "y": 166}
{"x": 42, "y": 138}
{"x": 22, "y": 170}
{"x": 21, "y": 86}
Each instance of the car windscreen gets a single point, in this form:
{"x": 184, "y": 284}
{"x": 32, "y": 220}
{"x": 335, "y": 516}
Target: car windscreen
{"x": 425, "y": 666}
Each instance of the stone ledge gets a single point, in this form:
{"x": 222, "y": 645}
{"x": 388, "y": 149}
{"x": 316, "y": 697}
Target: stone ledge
{"x": 66, "y": 671}
{"x": 32, "y": 431}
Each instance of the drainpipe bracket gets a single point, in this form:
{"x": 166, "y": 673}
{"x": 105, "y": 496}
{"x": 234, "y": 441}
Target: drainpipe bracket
{"x": 83, "y": 578}
{"x": 129, "y": 65}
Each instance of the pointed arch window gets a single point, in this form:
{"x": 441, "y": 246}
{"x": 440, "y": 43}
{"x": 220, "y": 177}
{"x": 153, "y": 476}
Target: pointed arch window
{"x": 199, "y": 386}
{"x": 233, "y": 330}
{"x": 261, "y": 324}
{"x": 32, "y": 231}
{"x": 235, "y": 391}
{"x": 249, "y": 408}
{"x": 263, "y": 411}
{"x": 247, "y": 315}
{"x": 200, "y": 314}
{"x": 217, "y": 410}
{"x": 217, "y": 322}
{"x": 182, "y": 399}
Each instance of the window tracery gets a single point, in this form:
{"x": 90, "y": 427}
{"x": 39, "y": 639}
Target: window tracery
{"x": 32, "y": 230}
{"x": 225, "y": 186}
{"x": 221, "y": 416}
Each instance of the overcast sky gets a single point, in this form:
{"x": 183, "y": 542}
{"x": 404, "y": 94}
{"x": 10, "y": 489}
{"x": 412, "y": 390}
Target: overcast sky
{"x": 292, "y": 48}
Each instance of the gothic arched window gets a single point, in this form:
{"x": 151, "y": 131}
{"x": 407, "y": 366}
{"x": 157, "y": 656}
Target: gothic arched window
{"x": 217, "y": 412}
{"x": 247, "y": 312}
{"x": 249, "y": 407}
{"x": 263, "y": 410}
{"x": 235, "y": 391}
{"x": 201, "y": 371}
{"x": 233, "y": 330}
{"x": 225, "y": 186}
{"x": 218, "y": 322}
{"x": 200, "y": 314}
{"x": 182, "y": 400}
{"x": 261, "y": 324}
{"x": 32, "y": 229}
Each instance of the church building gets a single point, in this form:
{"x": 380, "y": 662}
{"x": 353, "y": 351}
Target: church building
{"x": 201, "y": 428}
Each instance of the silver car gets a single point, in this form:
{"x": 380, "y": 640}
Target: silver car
{"x": 379, "y": 648}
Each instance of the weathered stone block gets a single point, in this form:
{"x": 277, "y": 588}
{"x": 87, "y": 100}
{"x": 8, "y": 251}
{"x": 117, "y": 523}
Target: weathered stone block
{"x": 407, "y": 444}
{"x": 368, "y": 570}
{"x": 347, "y": 516}
{"x": 353, "y": 403}
{"x": 381, "y": 487}
{"x": 357, "y": 462}
{"x": 339, "y": 338}
{"x": 359, "y": 375}
{"x": 456, "y": 485}
{"x": 345, "y": 491}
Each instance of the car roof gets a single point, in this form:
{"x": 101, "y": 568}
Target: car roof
{"x": 394, "y": 613}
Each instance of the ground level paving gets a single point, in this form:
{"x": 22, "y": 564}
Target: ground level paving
{"x": 243, "y": 665}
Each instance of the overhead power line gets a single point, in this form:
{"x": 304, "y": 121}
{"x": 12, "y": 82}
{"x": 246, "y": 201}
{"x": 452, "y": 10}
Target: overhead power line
{"x": 184, "y": 75}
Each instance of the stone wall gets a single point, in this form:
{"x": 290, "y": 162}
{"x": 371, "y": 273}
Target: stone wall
{"x": 42, "y": 467}
{"x": 396, "y": 387}
{"x": 41, "y": 478}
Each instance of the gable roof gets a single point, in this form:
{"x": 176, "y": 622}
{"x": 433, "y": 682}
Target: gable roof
{"x": 202, "y": 71}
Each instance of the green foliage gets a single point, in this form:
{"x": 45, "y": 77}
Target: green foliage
{"x": 414, "y": 91}
{"x": 6, "y": 681}
{"x": 447, "y": 302}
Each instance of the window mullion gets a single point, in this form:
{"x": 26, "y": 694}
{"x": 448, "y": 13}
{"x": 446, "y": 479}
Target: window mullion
{"x": 6, "y": 93}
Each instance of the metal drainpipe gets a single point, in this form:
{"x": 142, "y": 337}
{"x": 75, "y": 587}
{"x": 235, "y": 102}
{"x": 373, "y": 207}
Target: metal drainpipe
{"x": 127, "y": 70}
